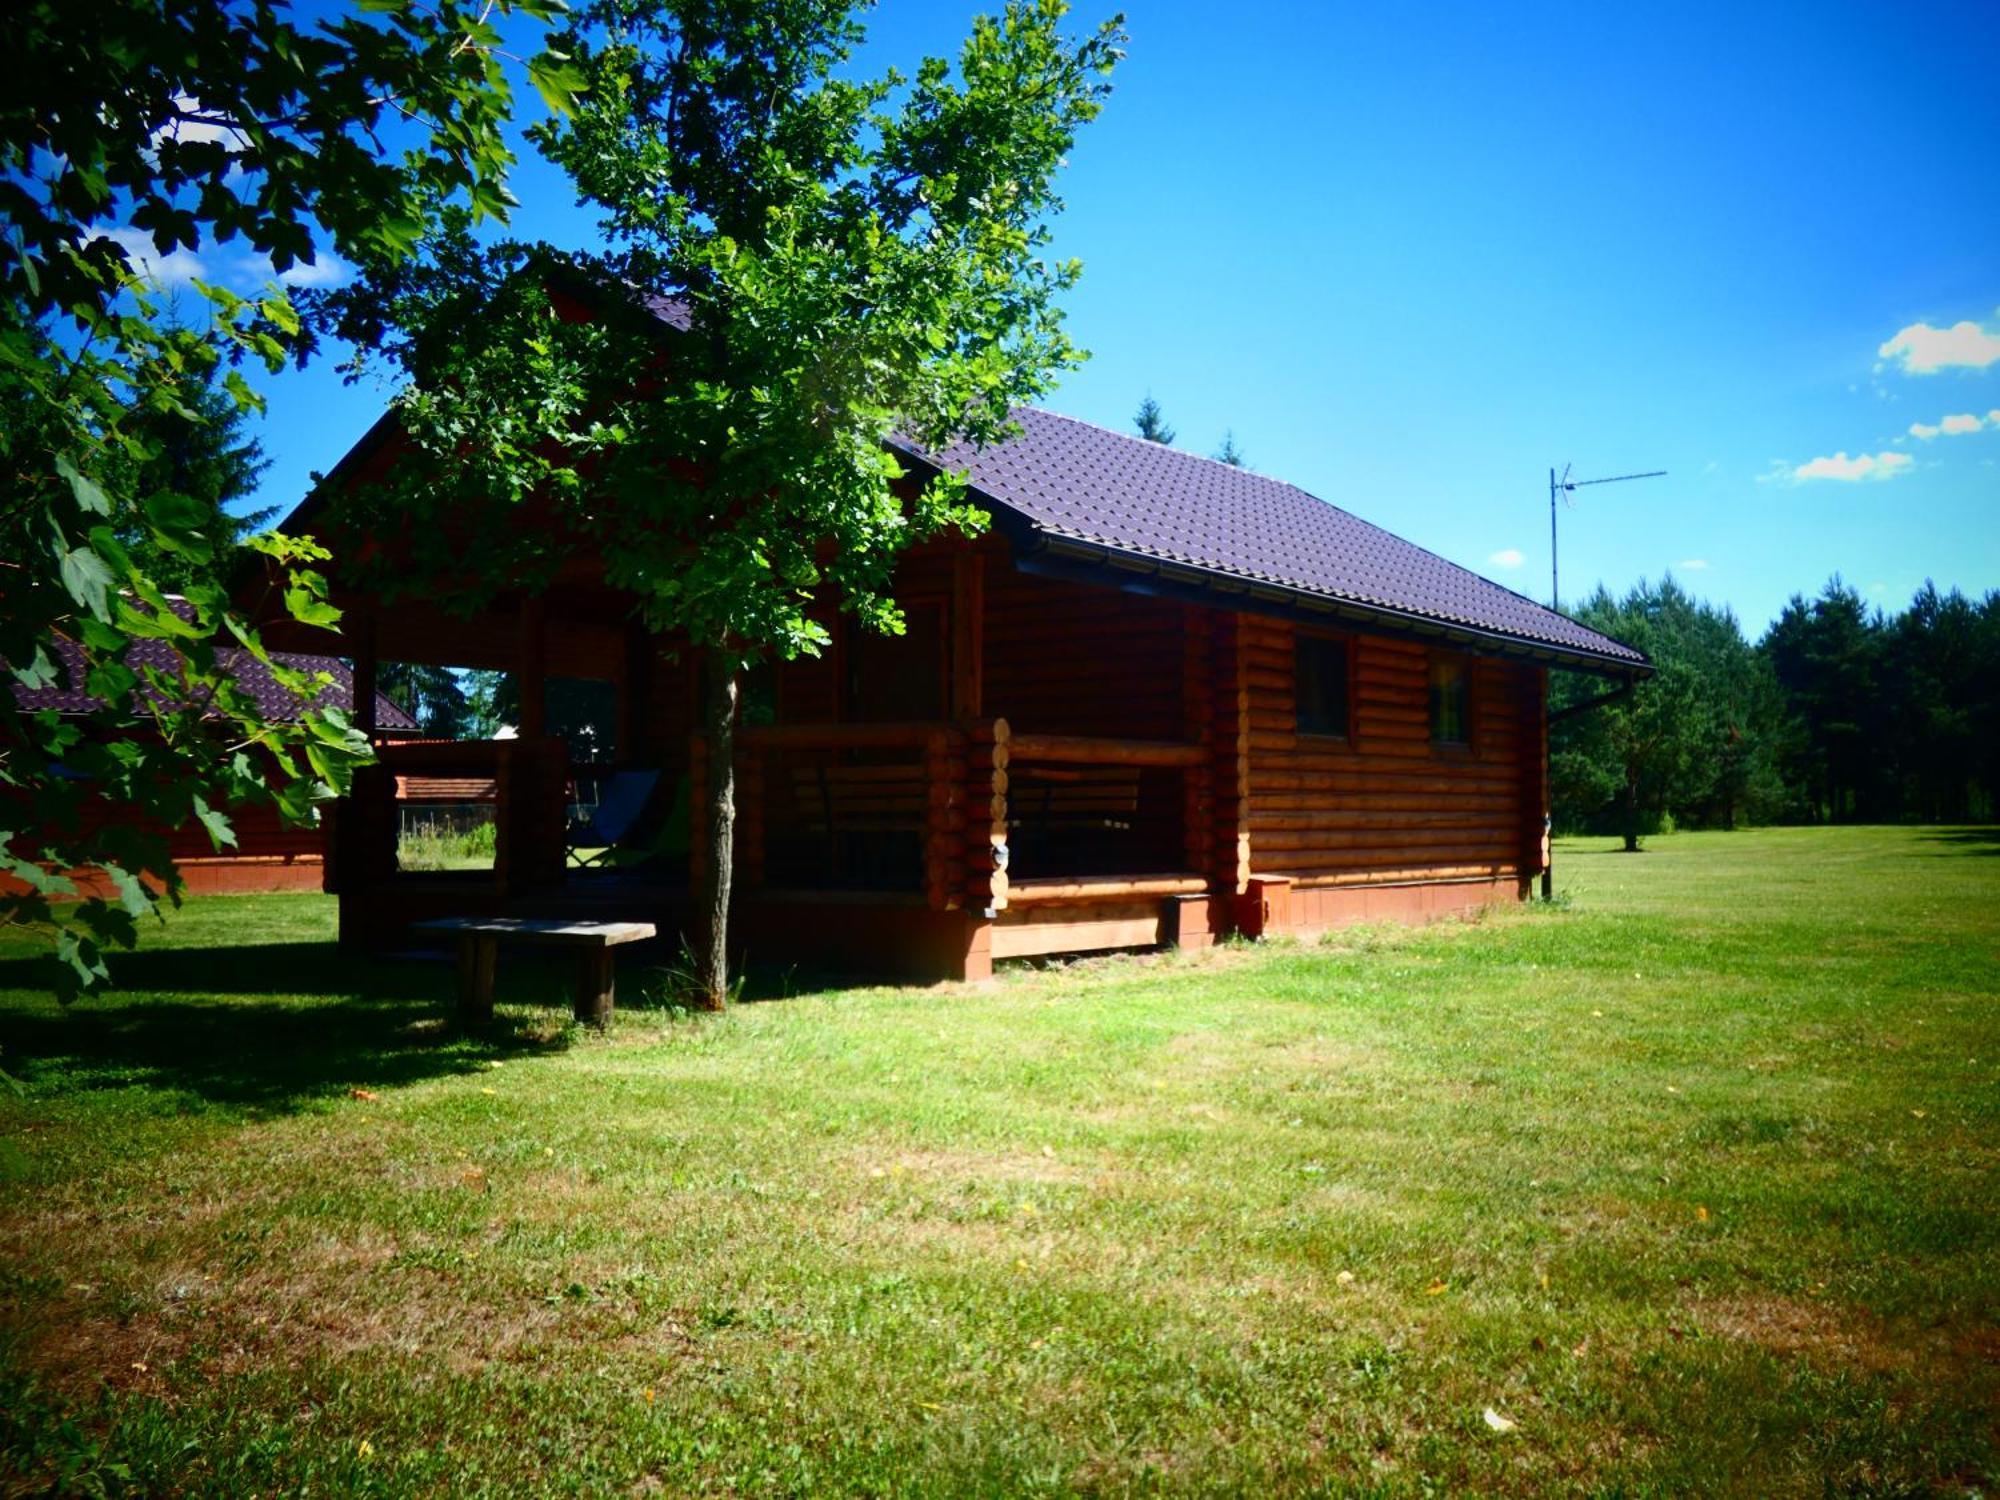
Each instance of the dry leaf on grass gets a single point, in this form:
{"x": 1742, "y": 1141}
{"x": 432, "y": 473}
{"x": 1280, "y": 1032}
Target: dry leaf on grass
{"x": 1497, "y": 1422}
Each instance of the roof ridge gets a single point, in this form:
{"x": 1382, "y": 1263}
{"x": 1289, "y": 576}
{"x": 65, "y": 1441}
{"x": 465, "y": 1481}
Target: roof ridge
{"x": 1244, "y": 470}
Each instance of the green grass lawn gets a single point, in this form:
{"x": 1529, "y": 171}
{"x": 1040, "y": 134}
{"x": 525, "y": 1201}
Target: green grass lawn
{"x": 1691, "y": 1180}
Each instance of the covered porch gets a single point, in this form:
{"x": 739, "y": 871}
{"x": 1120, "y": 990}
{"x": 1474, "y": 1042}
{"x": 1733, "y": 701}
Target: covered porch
{"x": 926, "y": 845}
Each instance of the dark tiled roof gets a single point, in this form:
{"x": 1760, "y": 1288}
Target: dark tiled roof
{"x": 1075, "y": 480}
{"x": 276, "y": 704}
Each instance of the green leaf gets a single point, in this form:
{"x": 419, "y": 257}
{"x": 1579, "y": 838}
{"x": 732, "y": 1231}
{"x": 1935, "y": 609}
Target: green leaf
{"x": 101, "y": 637}
{"x": 132, "y": 892}
{"x": 308, "y": 609}
{"x": 40, "y": 671}
{"x": 81, "y": 964}
{"x": 558, "y": 81}
{"x": 88, "y": 581}
{"x": 279, "y": 310}
{"x": 87, "y": 494}
{"x": 32, "y": 874}
{"x": 179, "y": 524}
{"x": 220, "y": 834}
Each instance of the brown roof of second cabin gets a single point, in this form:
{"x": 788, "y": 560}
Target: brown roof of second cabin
{"x": 274, "y": 702}
{"x": 1108, "y": 490}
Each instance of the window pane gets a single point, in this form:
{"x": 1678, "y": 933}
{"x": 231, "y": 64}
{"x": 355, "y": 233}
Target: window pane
{"x": 1449, "y": 701}
{"x": 1321, "y": 685}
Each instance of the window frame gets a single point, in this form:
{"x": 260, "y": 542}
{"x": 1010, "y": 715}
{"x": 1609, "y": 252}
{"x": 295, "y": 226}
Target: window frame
{"x": 1347, "y": 642}
{"x": 1468, "y": 719}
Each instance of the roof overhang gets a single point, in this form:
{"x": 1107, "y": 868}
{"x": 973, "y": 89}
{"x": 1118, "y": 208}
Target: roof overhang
{"x": 1051, "y": 554}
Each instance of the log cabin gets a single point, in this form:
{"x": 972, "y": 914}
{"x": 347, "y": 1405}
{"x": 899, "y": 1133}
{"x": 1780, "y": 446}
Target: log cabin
{"x": 1160, "y": 700}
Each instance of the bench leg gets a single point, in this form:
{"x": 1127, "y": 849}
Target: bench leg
{"x": 596, "y": 981}
{"x": 476, "y": 955}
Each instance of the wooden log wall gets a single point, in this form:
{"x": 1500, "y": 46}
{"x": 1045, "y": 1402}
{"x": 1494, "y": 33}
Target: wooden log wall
{"x": 1063, "y": 658}
{"x": 1386, "y": 804}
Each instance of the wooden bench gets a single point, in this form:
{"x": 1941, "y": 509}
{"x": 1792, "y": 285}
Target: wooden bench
{"x": 478, "y": 951}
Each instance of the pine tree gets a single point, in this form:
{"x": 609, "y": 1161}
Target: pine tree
{"x": 1229, "y": 453}
{"x": 1152, "y": 426}
{"x": 199, "y": 452}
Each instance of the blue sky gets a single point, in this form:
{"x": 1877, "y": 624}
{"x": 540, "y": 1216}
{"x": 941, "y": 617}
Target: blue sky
{"x": 1414, "y": 255}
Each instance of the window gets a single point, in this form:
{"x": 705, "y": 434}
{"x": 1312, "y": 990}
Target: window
{"x": 1451, "y": 701}
{"x": 1321, "y": 684}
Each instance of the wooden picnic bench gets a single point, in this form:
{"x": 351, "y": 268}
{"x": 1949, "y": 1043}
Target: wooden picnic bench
{"x": 478, "y": 953}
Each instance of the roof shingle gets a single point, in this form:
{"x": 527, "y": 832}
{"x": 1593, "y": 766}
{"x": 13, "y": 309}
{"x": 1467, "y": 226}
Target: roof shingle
{"x": 1074, "y": 479}
{"x": 277, "y": 705}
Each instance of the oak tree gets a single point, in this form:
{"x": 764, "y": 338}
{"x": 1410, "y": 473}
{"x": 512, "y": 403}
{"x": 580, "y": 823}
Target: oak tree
{"x": 802, "y": 269}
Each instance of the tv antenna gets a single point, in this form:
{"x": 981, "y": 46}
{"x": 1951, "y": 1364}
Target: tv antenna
{"x": 1564, "y": 487}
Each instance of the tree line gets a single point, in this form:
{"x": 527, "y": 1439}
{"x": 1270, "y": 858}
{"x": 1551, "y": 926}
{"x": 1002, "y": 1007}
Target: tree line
{"x": 1839, "y": 713}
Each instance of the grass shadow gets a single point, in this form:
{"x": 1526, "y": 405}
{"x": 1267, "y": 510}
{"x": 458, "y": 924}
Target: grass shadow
{"x": 267, "y": 1029}
{"x": 1965, "y": 840}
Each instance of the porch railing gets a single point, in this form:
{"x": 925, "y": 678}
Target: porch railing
{"x": 972, "y": 815}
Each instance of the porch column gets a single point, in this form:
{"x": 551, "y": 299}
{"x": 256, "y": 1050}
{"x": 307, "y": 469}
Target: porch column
{"x": 361, "y": 631}
{"x": 533, "y": 667}
{"x": 634, "y": 683}
{"x": 968, "y": 635}
{"x": 1534, "y": 741}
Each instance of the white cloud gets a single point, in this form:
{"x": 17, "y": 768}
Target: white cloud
{"x": 1924, "y": 350}
{"x": 1849, "y": 470}
{"x": 1693, "y": 564}
{"x": 1954, "y": 426}
{"x": 198, "y": 130}
{"x": 328, "y": 270}
{"x": 1508, "y": 557}
{"x": 175, "y": 269}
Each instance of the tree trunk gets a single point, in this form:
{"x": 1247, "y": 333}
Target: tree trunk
{"x": 1631, "y": 815}
{"x": 712, "y": 955}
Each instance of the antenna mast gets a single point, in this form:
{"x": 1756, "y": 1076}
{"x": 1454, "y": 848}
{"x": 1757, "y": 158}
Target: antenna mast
{"x": 1564, "y": 486}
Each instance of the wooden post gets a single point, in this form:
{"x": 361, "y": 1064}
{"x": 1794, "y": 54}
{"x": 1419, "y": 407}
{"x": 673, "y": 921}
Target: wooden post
{"x": 596, "y": 985}
{"x": 533, "y": 667}
{"x": 986, "y": 816}
{"x": 1198, "y": 720}
{"x": 968, "y": 634}
{"x": 361, "y": 630}
{"x": 477, "y": 953}
{"x": 945, "y": 771}
{"x": 1533, "y": 740}
{"x": 505, "y": 830}
{"x": 697, "y": 811}
{"x": 1230, "y": 788}
{"x": 631, "y": 683}
{"x": 750, "y": 803}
